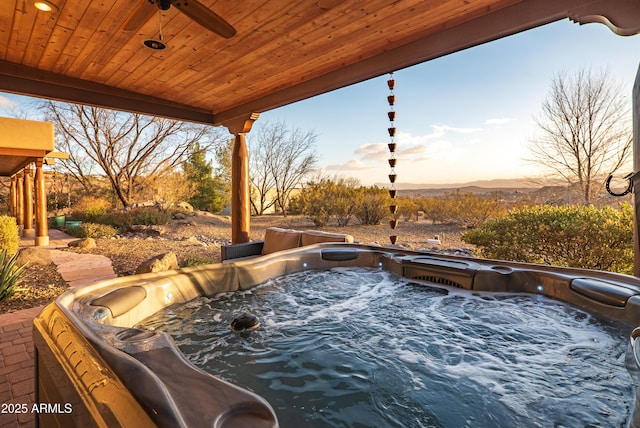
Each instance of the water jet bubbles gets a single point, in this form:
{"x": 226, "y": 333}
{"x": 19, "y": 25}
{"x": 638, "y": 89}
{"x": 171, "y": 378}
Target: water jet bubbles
{"x": 540, "y": 288}
{"x": 379, "y": 264}
{"x": 304, "y": 265}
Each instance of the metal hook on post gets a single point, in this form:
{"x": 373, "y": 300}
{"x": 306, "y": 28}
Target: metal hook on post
{"x": 629, "y": 188}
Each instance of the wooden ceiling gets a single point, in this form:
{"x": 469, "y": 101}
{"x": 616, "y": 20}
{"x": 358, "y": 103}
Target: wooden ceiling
{"x": 283, "y": 51}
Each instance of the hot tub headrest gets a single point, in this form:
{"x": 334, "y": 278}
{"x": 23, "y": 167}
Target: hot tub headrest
{"x": 277, "y": 239}
{"x": 310, "y": 237}
{"x": 121, "y": 300}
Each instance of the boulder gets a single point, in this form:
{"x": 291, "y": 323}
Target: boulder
{"x": 154, "y": 230}
{"x": 160, "y": 263}
{"x": 185, "y": 206}
{"x": 85, "y": 243}
{"x": 34, "y": 256}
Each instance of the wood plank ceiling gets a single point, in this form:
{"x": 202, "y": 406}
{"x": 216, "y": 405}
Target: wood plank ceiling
{"x": 283, "y": 51}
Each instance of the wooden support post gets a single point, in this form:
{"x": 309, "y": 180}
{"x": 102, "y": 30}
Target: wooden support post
{"x": 635, "y": 101}
{"x": 29, "y": 231}
{"x": 13, "y": 197}
{"x": 42, "y": 228}
{"x": 240, "y": 183}
{"x": 19, "y": 199}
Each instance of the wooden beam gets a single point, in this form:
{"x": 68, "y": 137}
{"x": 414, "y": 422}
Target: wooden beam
{"x": 32, "y": 82}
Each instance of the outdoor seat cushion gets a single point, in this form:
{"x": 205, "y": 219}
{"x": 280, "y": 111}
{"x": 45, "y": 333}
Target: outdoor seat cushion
{"x": 277, "y": 239}
{"x": 310, "y": 237}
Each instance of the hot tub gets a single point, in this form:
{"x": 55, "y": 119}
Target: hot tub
{"x": 94, "y": 368}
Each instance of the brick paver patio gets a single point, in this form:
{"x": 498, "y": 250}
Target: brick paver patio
{"x": 17, "y": 382}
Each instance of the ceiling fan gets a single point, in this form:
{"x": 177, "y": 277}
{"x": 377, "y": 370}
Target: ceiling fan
{"x": 192, "y": 8}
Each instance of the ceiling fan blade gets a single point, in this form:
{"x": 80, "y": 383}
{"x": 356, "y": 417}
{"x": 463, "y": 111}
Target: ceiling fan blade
{"x": 207, "y": 18}
{"x": 141, "y": 14}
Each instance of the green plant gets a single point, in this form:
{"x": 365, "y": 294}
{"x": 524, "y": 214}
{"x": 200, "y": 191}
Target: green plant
{"x": 90, "y": 208}
{"x": 9, "y": 237}
{"x": 93, "y": 230}
{"x": 10, "y": 274}
{"x": 150, "y": 216}
{"x": 327, "y": 199}
{"x": 371, "y": 205}
{"x": 195, "y": 260}
{"x": 208, "y": 191}
{"x": 575, "y": 236}
{"x": 462, "y": 208}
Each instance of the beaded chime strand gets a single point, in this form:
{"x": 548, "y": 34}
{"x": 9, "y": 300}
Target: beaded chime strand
{"x": 393, "y": 206}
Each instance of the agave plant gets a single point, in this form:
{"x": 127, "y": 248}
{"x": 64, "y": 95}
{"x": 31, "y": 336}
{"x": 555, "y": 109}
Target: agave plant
{"x": 10, "y": 274}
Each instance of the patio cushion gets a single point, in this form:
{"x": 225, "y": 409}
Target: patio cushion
{"x": 310, "y": 237}
{"x": 277, "y": 239}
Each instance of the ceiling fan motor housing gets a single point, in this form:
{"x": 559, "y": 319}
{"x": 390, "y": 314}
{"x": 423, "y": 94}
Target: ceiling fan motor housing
{"x": 164, "y": 4}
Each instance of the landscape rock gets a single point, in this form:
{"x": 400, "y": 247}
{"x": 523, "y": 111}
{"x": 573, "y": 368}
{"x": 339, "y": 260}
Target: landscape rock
{"x": 85, "y": 243}
{"x": 34, "y": 256}
{"x": 160, "y": 263}
{"x": 185, "y": 206}
{"x": 154, "y": 230}
{"x": 192, "y": 240}
{"x": 180, "y": 216}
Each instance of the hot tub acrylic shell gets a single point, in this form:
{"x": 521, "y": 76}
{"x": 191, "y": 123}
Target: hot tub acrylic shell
{"x": 89, "y": 355}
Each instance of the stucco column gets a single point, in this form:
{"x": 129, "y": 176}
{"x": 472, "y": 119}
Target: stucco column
{"x": 42, "y": 228}
{"x": 12, "y": 197}
{"x": 240, "y": 183}
{"x": 19, "y": 199}
{"x": 29, "y": 231}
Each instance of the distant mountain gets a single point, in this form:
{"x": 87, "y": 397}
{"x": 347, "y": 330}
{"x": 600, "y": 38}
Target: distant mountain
{"x": 484, "y": 185}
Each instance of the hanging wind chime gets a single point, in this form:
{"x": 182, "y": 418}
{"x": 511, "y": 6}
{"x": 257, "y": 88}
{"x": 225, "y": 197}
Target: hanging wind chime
{"x": 393, "y": 207}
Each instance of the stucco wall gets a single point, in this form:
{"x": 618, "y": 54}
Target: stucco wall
{"x": 26, "y": 134}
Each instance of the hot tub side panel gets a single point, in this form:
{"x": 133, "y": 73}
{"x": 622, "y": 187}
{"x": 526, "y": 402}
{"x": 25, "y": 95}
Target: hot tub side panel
{"x": 73, "y": 376}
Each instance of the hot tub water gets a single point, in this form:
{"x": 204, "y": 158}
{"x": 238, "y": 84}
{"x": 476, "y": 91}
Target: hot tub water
{"x": 353, "y": 346}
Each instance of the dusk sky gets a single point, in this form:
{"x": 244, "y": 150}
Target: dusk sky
{"x": 462, "y": 117}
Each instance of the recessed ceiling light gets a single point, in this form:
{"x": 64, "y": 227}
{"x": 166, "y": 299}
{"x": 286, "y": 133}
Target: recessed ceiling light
{"x": 45, "y": 6}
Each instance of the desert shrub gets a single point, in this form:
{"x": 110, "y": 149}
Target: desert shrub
{"x": 408, "y": 207}
{"x": 90, "y": 208}
{"x": 9, "y": 237}
{"x": 371, "y": 205}
{"x": 327, "y": 199}
{"x": 575, "y": 236}
{"x": 94, "y": 230}
{"x": 10, "y": 273}
{"x": 117, "y": 219}
{"x": 463, "y": 208}
{"x": 150, "y": 216}
{"x": 195, "y": 260}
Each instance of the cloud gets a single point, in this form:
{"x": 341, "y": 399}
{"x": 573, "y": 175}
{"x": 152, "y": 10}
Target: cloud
{"x": 6, "y": 103}
{"x": 372, "y": 152}
{"x": 443, "y": 129}
{"x": 499, "y": 121}
{"x": 353, "y": 165}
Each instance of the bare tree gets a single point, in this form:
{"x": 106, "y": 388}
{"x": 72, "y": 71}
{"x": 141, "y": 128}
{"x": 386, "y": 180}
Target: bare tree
{"x": 129, "y": 149}
{"x": 585, "y": 129}
{"x": 281, "y": 158}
